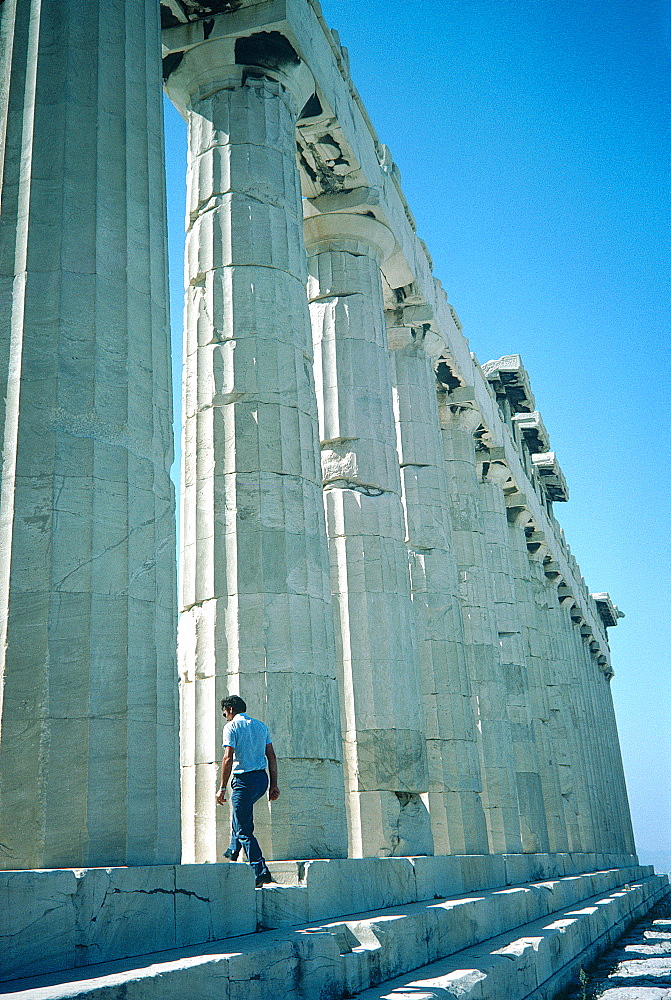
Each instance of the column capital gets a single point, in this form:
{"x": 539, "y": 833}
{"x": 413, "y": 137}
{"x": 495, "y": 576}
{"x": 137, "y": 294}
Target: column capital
{"x": 517, "y": 509}
{"x": 537, "y": 544}
{"x": 348, "y": 231}
{"x": 494, "y": 468}
{"x": 458, "y": 408}
{"x": 221, "y": 63}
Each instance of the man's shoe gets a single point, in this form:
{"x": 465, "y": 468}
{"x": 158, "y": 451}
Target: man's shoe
{"x": 264, "y": 879}
{"x": 230, "y": 855}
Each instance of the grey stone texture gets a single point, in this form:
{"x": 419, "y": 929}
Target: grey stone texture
{"x": 369, "y": 551}
{"x": 329, "y": 929}
{"x": 256, "y": 614}
{"x": 88, "y": 758}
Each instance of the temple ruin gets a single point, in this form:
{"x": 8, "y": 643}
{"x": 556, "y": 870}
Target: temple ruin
{"x": 369, "y": 551}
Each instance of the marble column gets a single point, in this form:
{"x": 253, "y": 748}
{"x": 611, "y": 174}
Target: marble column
{"x": 559, "y": 697}
{"x": 89, "y": 729}
{"x": 610, "y": 784}
{"x": 624, "y": 840}
{"x": 598, "y": 739}
{"x": 455, "y": 784}
{"x": 256, "y": 610}
{"x": 583, "y": 723}
{"x": 548, "y": 737}
{"x": 385, "y": 746}
{"x": 459, "y": 420}
{"x": 510, "y": 613}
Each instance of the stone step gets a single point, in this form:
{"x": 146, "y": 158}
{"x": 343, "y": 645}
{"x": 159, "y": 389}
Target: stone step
{"x": 55, "y": 920}
{"x": 349, "y": 955}
{"x": 533, "y": 963}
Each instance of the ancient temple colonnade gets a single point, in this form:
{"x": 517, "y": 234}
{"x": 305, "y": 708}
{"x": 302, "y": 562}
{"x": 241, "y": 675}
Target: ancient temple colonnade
{"x": 369, "y": 549}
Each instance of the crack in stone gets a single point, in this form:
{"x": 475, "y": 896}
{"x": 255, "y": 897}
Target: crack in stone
{"x": 164, "y": 892}
{"x": 110, "y": 548}
{"x": 350, "y": 484}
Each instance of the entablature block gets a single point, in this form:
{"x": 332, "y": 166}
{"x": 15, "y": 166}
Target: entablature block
{"x": 509, "y": 379}
{"x": 551, "y": 476}
{"x": 608, "y": 612}
{"x": 533, "y": 431}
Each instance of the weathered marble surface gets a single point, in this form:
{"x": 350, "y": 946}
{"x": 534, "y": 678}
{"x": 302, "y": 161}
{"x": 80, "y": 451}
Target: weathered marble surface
{"x": 52, "y": 920}
{"x": 510, "y": 937}
{"x": 88, "y": 759}
{"x": 455, "y": 784}
{"x": 385, "y": 743}
{"x": 416, "y": 708}
{"x": 256, "y": 612}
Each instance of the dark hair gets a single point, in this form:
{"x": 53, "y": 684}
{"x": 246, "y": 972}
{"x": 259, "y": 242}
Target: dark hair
{"x": 234, "y": 703}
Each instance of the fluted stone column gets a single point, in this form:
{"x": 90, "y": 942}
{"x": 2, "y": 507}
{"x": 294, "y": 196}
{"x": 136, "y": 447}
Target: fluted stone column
{"x": 510, "y": 615}
{"x": 540, "y": 668}
{"x": 612, "y": 798}
{"x": 624, "y": 842}
{"x": 560, "y": 698}
{"x": 455, "y": 784}
{"x": 257, "y": 616}
{"x": 585, "y": 724}
{"x": 385, "y": 746}
{"x": 88, "y": 752}
{"x": 597, "y": 737}
{"x": 458, "y": 423}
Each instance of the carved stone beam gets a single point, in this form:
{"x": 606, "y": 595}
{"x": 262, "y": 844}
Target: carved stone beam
{"x": 509, "y": 380}
{"x": 533, "y": 431}
{"x": 608, "y": 612}
{"x": 551, "y": 476}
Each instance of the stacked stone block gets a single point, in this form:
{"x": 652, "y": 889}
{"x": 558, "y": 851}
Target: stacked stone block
{"x": 88, "y": 758}
{"x": 256, "y": 614}
{"x": 385, "y": 744}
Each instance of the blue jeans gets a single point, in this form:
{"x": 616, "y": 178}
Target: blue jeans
{"x": 246, "y": 789}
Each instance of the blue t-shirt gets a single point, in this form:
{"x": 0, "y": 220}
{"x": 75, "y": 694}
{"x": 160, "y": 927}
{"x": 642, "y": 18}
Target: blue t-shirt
{"x": 249, "y": 739}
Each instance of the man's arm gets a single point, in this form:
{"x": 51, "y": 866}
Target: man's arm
{"x": 226, "y": 766}
{"x": 273, "y": 790}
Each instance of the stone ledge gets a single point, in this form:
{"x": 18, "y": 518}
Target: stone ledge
{"x": 329, "y": 888}
{"x": 62, "y": 919}
{"x": 533, "y": 963}
{"x": 51, "y": 920}
{"x": 341, "y": 958}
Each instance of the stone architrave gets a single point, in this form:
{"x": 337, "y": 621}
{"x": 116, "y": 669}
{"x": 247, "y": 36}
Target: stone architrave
{"x": 88, "y": 758}
{"x": 455, "y": 784}
{"x": 458, "y": 424}
{"x": 256, "y": 611}
{"x": 385, "y": 747}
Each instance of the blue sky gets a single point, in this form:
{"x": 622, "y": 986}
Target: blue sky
{"x": 532, "y": 139}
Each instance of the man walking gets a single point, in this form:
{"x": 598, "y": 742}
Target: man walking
{"x": 247, "y": 749}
